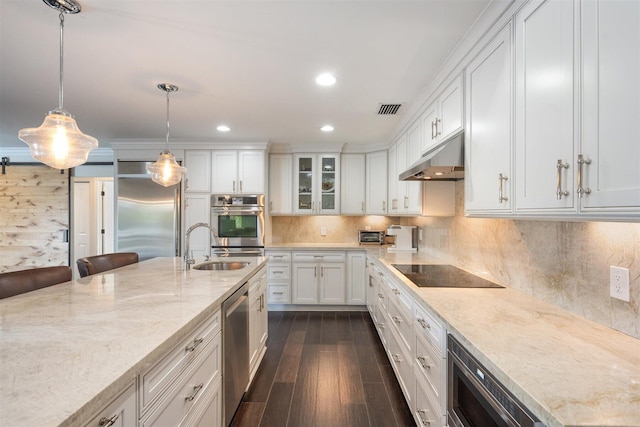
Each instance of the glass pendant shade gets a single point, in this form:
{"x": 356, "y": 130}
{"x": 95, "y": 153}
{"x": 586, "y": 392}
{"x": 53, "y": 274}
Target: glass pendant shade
{"x": 166, "y": 171}
{"x": 58, "y": 142}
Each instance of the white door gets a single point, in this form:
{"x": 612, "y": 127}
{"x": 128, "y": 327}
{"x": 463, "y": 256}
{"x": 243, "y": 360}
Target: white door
{"x": 392, "y": 194}
{"x": 429, "y": 132}
{"x": 83, "y": 228}
{"x": 356, "y": 278}
{"x": 488, "y": 173}
{"x": 106, "y": 216}
{"x": 305, "y": 283}
{"x": 198, "y": 209}
{"x": 376, "y": 183}
{"x": 353, "y": 184}
{"x": 280, "y": 184}
{"x": 198, "y": 176}
{"x": 332, "y": 281}
{"x": 224, "y": 172}
{"x": 401, "y": 162}
{"x": 450, "y": 110}
{"x": 611, "y": 105}
{"x": 545, "y": 107}
{"x": 250, "y": 172}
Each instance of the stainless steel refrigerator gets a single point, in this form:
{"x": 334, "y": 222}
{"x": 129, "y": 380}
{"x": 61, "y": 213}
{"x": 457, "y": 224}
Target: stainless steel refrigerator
{"x": 148, "y": 214}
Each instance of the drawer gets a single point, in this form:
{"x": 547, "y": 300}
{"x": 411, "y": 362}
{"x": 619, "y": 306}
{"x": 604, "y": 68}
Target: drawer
{"x": 431, "y": 328}
{"x": 257, "y": 279}
{"x": 209, "y": 411}
{"x": 277, "y": 271}
{"x": 380, "y": 319}
{"x": 319, "y": 257}
{"x": 279, "y": 293}
{"x": 402, "y": 365}
{"x": 159, "y": 377}
{"x": 278, "y": 256}
{"x": 122, "y": 412}
{"x": 189, "y": 391}
{"x": 431, "y": 366}
{"x": 426, "y": 411}
{"x": 401, "y": 296}
{"x": 402, "y": 324}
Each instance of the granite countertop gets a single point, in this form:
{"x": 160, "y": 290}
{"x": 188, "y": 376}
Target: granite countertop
{"x": 566, "y": 369}
{"x": 315, "y": 246}
{"x": 67, "y": 350}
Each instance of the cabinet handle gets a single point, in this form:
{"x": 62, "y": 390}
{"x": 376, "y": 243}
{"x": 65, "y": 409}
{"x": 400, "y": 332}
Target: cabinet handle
{"x": 362, "y": 207}
{"x": 315, "y": 271}
{"x": 433, "y": 133}
{"x": 380, "y": 325}
{"x": 559, "y": 192}
{"x": 582, "y": 161}
{"x": 278, "y": 293}
{"x": 424, "y": 324}
{"x": 380, "y": 296}
{"x": 394, "y": 204}
{"x": 196, "y": 342}
{"x": 107, "y": 422}
{"x": 270, "y": 205}
{"x": 395, "y": 291}
{"x": 381, "y": 274}
{"x": 186, "y": 184}
{"x": 384, "y": 206}
{"x": 438, "y": 132}
{"x": 196, "y": 390}
{"x": 396, "y": 319}
{"x": 241, "y": 186}
{"x": 321, "y": 271}
{"x": 234, "y": 185}
{"x": 396, "y": 358}
{"x": 501, "y": 198}
{"x": 423, "y": 362}
{"x": 406, "y": 202}
{"x": 422, "y": 414}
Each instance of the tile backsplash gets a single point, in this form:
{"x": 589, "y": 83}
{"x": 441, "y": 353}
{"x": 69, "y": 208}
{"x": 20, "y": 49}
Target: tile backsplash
{"x": 563, "y": 263}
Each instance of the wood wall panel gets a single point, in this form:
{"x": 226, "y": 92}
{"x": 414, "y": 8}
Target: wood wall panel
{"x": 34, "y": 215}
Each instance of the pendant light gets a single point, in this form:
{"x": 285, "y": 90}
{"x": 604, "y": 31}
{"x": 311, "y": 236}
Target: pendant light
{"x": 166, "y": 171}
{"x": 58, "y": 142}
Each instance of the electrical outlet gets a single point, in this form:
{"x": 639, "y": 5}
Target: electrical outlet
{"x": 619, "y": 282}
{"x": 323, "y": 231}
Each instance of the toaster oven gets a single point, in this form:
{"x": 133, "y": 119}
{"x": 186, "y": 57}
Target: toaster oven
{"x": 367, "y": 237}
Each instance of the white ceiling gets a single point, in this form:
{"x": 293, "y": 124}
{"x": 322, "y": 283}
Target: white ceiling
{"x": 248, "y": 64}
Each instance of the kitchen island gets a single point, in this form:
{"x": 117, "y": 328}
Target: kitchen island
{"x": 68, "y": 350}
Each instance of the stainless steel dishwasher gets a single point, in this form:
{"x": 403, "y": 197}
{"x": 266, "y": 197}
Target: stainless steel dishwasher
{"x": 235, "y": 335}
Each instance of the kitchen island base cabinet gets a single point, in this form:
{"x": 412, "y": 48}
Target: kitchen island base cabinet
{"x": 122, "y": 412}
{"x": 258, "y": 320}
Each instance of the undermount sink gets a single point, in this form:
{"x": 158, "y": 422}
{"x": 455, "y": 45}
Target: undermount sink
{"x": 221, "y": 265}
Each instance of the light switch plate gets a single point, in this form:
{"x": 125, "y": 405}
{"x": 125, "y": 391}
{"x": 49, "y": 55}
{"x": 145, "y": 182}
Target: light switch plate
{"x": 619, "y": 282}
{"x": 323, "y": 231}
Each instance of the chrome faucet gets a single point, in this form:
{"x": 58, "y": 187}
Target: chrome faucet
{"x": 188, "y": 260}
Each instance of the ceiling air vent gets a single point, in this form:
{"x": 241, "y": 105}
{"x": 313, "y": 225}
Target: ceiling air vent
{"x": 387, "y": 109}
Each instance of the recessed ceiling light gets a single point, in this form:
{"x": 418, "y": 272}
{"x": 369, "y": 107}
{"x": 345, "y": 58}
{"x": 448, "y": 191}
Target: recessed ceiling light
{"x": 223, "y": 128}
{"x": 326, "y": 79}
{"x": 327, "y": 128}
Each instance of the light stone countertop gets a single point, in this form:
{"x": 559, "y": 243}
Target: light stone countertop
{"x": 566, "y": 369}
{"x": 317, "y": 246}
{"x": 67, "y": 350}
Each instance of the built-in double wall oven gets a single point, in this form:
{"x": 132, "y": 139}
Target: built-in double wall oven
{"x": 476, "y": 398}
{"x": 239, "y": 222}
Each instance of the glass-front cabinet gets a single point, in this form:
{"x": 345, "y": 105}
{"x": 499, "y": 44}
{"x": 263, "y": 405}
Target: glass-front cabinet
{"x": 317, "y": 184}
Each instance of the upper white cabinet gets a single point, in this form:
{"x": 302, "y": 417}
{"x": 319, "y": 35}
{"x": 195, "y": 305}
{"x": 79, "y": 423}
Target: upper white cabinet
{"x": 317, "y": 184}
{"x": 443, "y": 118}
{"x": 198, "y": 209}
{"x": 610, "y": 108}
{"x": 376, "y": 183}
{"x": 352, "y": 184}
{"x": 488, "y": 142}
{"x": 545, "y": 107}
{"x": 404, "y": 197}
{"x": 198, "y": 176}
{"x": 237, "y": 171}
{"x": 280, "y": 197}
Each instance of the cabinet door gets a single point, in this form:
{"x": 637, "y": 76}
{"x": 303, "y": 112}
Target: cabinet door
{"x": 304, "y": 183}
{"x": 414, "y": 143}
{"x": 328, "y": 190}
{"x": 611, "y": 106}
{"x": 352, "y": 189}
{"x": 545, "y": 49}
{"x": 392, "y": 194}
{"x": 197, "y": 209}
{"x": 250, "y": 172}
{"x": 332, "y": 283}
{"x": 450, "y": 105}
{"x": 356, "y": 278}
{"x": 122, "y": 412}
{"x": 198, "y": 176}
{"x": 488, "y": 173}
{"x": 401, "y": 162}
{"x": 280, "y": 184}
{"x": 376, "y": 183}
{"x": 429, "y": 132}
{"x": 305, "y": 283}
{"x": 224, "y": 173}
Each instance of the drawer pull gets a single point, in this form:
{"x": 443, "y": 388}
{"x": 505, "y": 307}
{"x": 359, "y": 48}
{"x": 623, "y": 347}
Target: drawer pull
{"x": 396, "y": 291}
{"x": 396, "y": 319}
{"x": 422, "y": 414}
{"x": 278, "y": 293}
{"x": 424, "y": 324}
{"x": 396, "y": 358}
{"x": 380, "y": 273}
{"x": 423, "y": 362}
{"x": 196, "y": 390}
{"x": 196, "y": 342}
{"x": 380, "y": 325}
{"x": 106, "y": 422}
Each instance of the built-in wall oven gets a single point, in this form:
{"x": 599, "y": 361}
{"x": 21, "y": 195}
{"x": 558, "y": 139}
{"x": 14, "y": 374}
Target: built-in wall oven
{"x": 476, "y": 398}
{"x": 239, "y": 222}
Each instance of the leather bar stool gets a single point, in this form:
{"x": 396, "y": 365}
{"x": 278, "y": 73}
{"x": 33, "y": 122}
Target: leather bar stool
{"x": 19, "y": 282}
{"x": 99, "y": 263}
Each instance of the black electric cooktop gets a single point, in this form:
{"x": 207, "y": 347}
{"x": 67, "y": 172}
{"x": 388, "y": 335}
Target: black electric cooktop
{"x": 442, "y": 276}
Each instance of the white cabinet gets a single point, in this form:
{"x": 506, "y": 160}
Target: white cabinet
{"x": 122, "y": 412}
{"x": 318, "y": 278}
{"x": 237, "y": 171}
{"x": 356, "y": 278}
{"x": 392, "y": 187}
{"x": 376, "y": 183}
{"x": 405, "y": 197}
{"x": 488, "y": 143}
{"x": 610, "y": 108}
{"x": 258, "y": 320}
{"x": 198, "y": 176}
{"x": 443, "y": 118}
{"x": 279, "y": 277}
{"x": 280, "y": 197}
{"x": 546, "y": 107}
{"x": 317, "y": 184}
{"x": 352, "y": 190}
{"x": 198, "y": 209}
{"x": 414, "y": 144}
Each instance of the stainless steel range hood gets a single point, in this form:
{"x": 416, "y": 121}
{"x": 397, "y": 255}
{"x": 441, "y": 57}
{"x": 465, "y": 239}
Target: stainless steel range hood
{"x": 444, "y": 162}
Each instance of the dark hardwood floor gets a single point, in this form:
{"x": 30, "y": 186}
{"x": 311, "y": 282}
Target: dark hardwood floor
{"x": 323, "y": 369}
